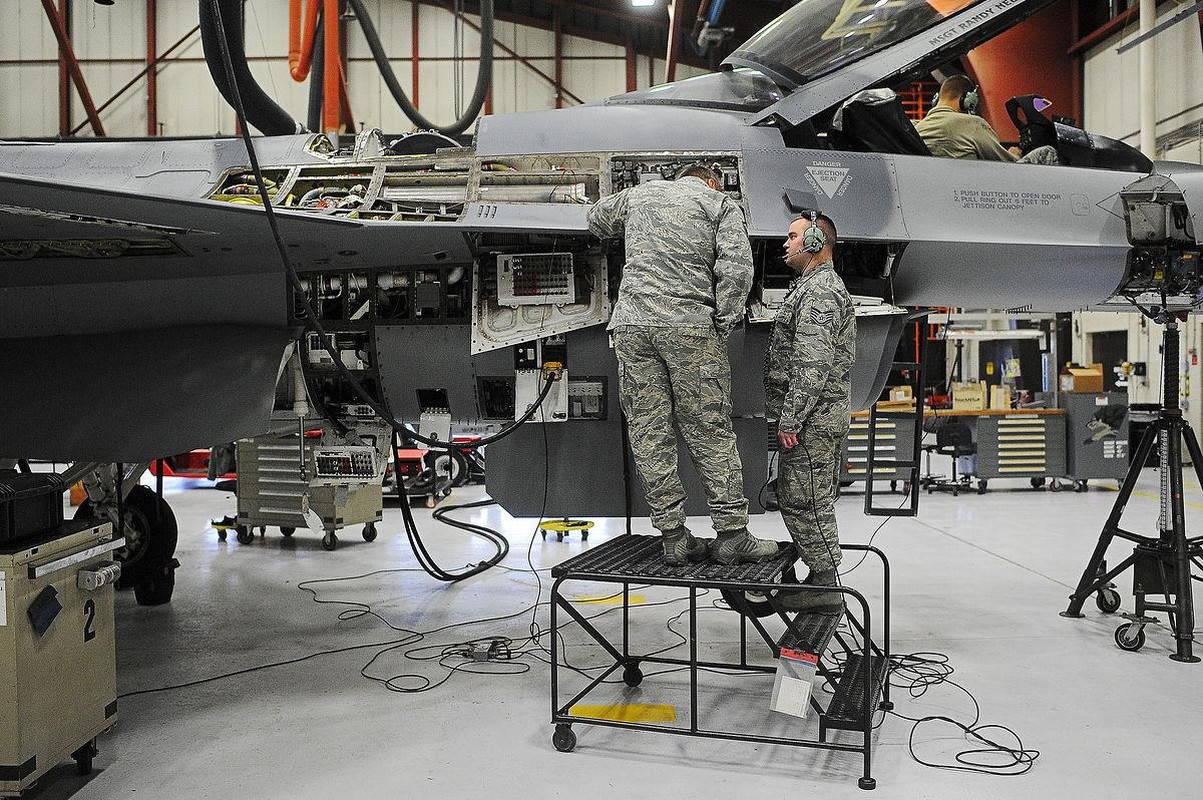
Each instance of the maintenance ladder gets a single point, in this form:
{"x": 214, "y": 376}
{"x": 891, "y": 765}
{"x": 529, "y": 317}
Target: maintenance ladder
{"x": 850, "y": 660}
{"x": 875, "y": 463}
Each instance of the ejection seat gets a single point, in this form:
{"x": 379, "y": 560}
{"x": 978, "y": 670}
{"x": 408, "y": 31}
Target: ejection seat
{"x": 1075, "y": 147}
{"x": 873, "y": 121}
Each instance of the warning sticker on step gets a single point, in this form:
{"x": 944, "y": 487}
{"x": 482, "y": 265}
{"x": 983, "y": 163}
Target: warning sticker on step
{"x": 3, "y": 602}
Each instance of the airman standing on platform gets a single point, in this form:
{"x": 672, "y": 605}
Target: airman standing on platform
{"x": 684, "y": 287}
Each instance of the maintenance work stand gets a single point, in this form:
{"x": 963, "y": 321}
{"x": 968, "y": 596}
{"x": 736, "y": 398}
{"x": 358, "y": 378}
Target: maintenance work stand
{"x": 849, "y": 660}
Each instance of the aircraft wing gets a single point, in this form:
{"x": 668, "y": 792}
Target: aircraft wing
{"x": 134, "y": 326}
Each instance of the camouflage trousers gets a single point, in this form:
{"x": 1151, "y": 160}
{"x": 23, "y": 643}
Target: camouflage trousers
{"x": 679, "y": 379}
{"x": 1046, "y": 155}
{"x": 806, "y": 481}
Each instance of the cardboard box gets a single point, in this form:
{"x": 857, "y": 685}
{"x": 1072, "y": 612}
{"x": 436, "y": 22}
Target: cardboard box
{"x": 1082, "y": 380}
{"x": 900, "y": 393}
{"x": 969, "y": 396}
{"x": 1000, "y": 397}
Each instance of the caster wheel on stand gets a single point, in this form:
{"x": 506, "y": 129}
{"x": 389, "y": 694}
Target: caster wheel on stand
{"x": 221, "y": 536}
{"x": 245, "y": 534}
{"x": 1130, "y": 637}
{"x": 1081, "y": 486}
{"x": 631, "y": 675}
{"x": 981, "y": 487}
{"x": 564, "y": 739}
{"x": 544, "y": 533}
{"x": 868, "y": 784}
{"x": 1107, "y": 600}
{"x": 329, "y": 541}
{"x": 369, "y": 532}
{"x": 1037, "y": 483}
{"x": 83, "y": 758}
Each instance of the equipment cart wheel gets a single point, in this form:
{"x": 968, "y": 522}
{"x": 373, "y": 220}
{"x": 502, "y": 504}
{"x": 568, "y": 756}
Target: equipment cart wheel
{"x": 564, "y": 739}
{"x": 287, "y": 531}
{"x": 1054, "y": 485}
{"x": 330, "y": 541}
{"x": 369, "y": 532}
{"x": 1037, "y": 483}
{"x": 1081, "y": 486}
{"x": 631, "y": 674}
{"x": 245, "y": 534}
{"x": 1107, "y": 600}
{"x": 221, "y": 535}
{"x": 1130, "y": 637}
{"x": 981, "y": 486}
{"x": 83, "y": 757}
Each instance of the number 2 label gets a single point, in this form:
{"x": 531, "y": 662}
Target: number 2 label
{"x": 89, "y": 620}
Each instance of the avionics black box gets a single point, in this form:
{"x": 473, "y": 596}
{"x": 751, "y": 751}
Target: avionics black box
{"x": 30, "y": 504}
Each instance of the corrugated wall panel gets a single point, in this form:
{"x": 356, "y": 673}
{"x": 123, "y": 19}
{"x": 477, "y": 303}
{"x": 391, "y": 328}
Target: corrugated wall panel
{"x": 1112, "y": 83}
{"x": 189, "y": 105}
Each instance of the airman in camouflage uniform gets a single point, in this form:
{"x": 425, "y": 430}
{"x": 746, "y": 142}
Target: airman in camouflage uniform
{"x": 684, "y": 287}
{"x": 807, "y": 388}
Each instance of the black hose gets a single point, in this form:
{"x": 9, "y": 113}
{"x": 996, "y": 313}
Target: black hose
{"x": 484, "y": 76}
{"x": 425, "y": 559}
{"x": 317, "y": 73}
{"x": 311, "y": 321}
{"x": 223, "y": 29}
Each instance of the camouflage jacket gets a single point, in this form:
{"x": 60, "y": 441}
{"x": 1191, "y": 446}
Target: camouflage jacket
{"x": 688, "y": 259}
{"x": 808, "y": 364}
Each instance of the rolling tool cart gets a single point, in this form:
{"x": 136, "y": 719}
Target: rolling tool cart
{"x": 857, "y": 669}
{"x": 57, "y": 642}
{"x": 340, "y": 485}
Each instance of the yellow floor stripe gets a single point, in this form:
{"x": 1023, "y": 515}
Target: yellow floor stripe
{"x": 1152, "y": 496}
{"x": 607, "y": 600}
{"x": 629, "y": 712}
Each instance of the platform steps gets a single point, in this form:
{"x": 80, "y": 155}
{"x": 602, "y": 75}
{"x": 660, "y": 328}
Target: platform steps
{"x": 813, "y": 633}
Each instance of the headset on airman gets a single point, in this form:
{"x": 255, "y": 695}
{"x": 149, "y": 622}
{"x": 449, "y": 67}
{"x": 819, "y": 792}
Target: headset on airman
{"x": 813, "y": 238}
{"x": 969, "y": 101}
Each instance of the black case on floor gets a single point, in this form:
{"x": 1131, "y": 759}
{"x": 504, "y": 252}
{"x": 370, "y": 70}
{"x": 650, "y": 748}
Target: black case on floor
{"x": 30, "y": 504}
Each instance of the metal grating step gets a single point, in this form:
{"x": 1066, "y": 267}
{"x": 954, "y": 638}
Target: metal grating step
{"x": 639, "y": 557}
{"x": 846, "y": 711}
{"x": 811, "y": 633}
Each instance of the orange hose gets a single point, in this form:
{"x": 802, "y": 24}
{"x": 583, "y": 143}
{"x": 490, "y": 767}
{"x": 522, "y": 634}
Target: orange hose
{"x": 300, "y": 54}
{"x": 333, "y": 68}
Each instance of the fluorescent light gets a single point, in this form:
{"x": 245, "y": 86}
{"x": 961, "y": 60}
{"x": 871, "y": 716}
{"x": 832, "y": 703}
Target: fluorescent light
{"x": 643, "y": 3}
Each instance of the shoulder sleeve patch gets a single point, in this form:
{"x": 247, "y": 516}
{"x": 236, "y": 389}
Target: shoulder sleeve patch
{"x": 819, "y": 317}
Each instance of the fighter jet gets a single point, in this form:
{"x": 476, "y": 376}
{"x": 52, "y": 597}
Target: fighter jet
{"x": 144, "y": 309}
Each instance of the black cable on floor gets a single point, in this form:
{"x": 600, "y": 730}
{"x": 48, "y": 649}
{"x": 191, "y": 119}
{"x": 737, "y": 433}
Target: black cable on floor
{"x": 919, "y": 672}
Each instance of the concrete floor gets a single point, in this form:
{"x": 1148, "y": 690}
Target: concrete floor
{"x": 980, "y": 578}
